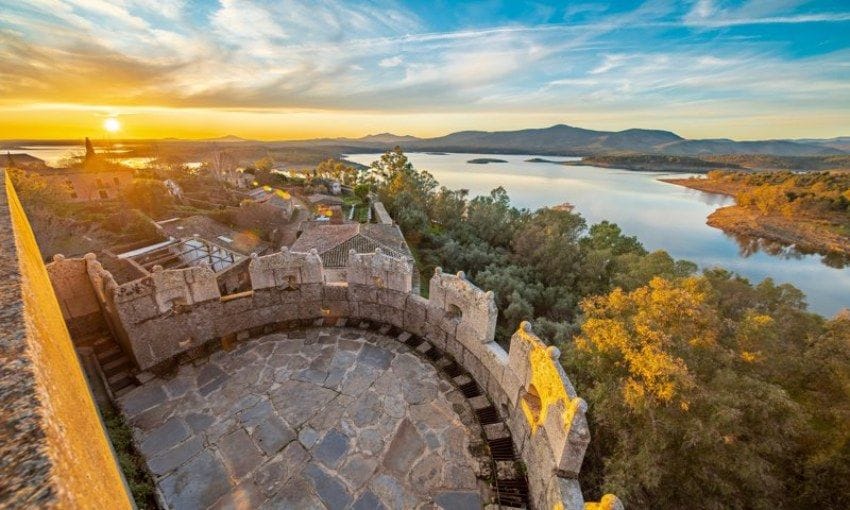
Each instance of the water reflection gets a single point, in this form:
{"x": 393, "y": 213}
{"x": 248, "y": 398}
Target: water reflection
{"x": 749, "y": 246}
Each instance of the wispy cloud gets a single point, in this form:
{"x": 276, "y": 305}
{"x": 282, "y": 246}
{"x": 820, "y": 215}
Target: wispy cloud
{"x": 706, "y": 13}
{"x": 391, "y": 61}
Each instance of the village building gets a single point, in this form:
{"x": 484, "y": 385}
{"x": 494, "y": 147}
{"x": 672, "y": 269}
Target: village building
{"x": 173, "y": 188}
{"x": 277, "y": 202}
{"x": 92, "y": 180}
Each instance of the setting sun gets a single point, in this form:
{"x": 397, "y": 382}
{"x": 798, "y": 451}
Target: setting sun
{"x": 111, "y": 124}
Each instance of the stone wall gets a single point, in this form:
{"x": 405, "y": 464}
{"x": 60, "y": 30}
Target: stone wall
{"x": 53, "y": 446}
{"x": 175, "y": 313}
{"x": 76, "y": 297}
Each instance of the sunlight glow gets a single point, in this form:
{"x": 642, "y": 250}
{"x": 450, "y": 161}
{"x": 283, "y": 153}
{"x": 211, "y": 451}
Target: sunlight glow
{"x": 111, "y": 124}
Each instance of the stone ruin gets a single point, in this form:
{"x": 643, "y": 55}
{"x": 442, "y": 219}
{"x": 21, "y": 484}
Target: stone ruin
{"x": 175, "y": 315}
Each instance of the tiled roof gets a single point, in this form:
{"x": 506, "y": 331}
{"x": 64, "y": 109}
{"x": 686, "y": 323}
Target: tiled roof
{"x": 333, "y": 242}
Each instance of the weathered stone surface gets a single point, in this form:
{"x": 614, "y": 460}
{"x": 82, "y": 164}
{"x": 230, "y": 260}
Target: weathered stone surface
{"x": 240, "y": 454}
{"x": 173, "y": 458}
{"x": 274, "y": 474}
{"x": 405, "y": 448}
{"x": 330, "y": 489}
{"x": 458, "y": 500}
{"x": 368, "y": 501}
{"x": 164, "y": 437}
{"x": 385, "y": 436}
{"x": 197, "y": 484}
{"x": 272, "y": 434}
{"x": 331, "y": 449}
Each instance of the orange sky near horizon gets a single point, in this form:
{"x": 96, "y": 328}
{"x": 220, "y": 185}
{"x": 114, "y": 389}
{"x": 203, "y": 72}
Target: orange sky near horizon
{"x": 46, "y": 122}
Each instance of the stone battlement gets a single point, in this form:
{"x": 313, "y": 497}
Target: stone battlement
{"x": 172, "y": 313}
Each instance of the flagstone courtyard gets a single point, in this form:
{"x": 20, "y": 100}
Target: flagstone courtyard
{"x": 314, "y": 418}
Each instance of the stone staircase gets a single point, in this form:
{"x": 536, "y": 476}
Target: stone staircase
{"x": 116, "y": 366}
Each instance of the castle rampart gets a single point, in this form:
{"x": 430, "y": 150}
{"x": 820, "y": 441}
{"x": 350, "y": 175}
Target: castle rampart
{"x": 177, "y": 313}
{"x": 53, "y": 446}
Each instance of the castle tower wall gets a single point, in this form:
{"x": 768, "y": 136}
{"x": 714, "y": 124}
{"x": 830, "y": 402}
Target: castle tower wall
{"x": 54, "y": 447}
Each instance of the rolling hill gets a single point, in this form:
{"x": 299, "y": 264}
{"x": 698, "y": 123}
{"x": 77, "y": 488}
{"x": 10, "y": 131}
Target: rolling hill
{"x": 566, "y": 140}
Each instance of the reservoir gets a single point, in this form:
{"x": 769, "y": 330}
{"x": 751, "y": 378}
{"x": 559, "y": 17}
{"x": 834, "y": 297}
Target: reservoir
{"x": 662, "y": 216}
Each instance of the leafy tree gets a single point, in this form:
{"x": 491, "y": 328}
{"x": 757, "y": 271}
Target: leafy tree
{"x": 149, "y": 196}
{"x": 679, "y": 419}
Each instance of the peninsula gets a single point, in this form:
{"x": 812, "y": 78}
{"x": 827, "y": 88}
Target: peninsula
{"x": 810, "y": 211}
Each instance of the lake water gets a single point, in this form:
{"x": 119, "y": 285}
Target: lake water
{"x": 661, "y": 215}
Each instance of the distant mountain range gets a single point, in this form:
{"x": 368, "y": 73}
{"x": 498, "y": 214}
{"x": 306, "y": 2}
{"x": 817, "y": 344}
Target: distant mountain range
{"x": 558, "y": 140}
{"x": 567, "y": 140}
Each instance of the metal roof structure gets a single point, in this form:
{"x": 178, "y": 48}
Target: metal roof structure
{"x": 183, "y": 253}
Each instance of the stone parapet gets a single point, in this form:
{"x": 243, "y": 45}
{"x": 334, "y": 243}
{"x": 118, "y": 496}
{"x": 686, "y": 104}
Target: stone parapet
{"x": 53, "y": 446}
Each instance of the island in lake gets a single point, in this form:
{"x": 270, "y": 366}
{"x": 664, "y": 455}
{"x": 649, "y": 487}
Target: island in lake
{"x": 484, "y": 161}
{"x": 808, "y": 210}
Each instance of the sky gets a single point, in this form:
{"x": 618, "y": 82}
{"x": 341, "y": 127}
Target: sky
{"x": 274, "y": 70}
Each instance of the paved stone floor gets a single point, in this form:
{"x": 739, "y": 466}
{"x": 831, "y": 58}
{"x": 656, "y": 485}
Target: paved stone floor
{"x": 318, "y": 418}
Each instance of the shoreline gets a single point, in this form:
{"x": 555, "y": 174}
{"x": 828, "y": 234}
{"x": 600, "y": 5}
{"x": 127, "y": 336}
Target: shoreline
{"x": 807, "y": 234}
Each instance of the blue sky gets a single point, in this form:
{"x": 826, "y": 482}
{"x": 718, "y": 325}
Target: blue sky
{"x": 704, "y": 68}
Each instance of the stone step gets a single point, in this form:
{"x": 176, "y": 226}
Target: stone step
{"x": 109, "y": 355}
{"x": 119, "y": 380}
{"x": 121, "y": 364}
{"x": 103, "y": 343}
{"x": 90, "y": 338}
{"x": 479, "y": 402}
{"x": 124, "y": 390}
{"x": 122, "y": 384}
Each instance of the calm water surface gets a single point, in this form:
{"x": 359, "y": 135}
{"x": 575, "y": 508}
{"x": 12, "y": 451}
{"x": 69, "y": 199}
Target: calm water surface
{"x": 661, "y": 215}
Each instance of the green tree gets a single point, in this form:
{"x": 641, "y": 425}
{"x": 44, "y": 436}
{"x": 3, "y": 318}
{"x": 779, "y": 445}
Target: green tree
{"x": 149, "y": 196}
{"x": 679, "y": 421}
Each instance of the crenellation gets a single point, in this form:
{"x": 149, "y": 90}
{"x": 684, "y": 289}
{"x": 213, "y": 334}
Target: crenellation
{"x": 379, "y": 270}
{"x": 285, "y": 269}
{"x": 469, "y": 305}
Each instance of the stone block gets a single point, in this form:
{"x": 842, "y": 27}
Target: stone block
{"x": 563, "y": 493}
{"x": 265, "y": 297}
{"x": 415, "y": 313}
{"x": 310, "y": 309}
{"x": 476, "y": 369}
{"x": 455, "y": 349}
{"x": 311, "y": 291}
{"x": 392, "y": 298}
{"x": 362, "y": 293}
{"x": 434, "y": 334}
{"x": 335, "y": 292}
{"x": 337, "y": 308}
